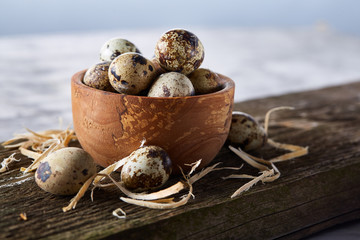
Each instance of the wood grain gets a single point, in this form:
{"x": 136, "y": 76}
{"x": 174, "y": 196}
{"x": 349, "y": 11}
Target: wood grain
{"x": 314, "y": 192}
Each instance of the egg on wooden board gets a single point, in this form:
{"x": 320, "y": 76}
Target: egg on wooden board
{"x": 147, "y": 168}
{"x": 246, "y": 132}
{"x": 64, "y": 171}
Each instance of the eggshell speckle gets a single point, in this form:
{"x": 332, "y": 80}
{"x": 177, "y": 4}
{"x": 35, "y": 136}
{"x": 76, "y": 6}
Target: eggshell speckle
{"x": 64, "y": 171}
{"x": 131, "y": 73}
{"x": 115, "y": 47}
{"x": 148, "y": 167}
{"x": 179, "y": 50}
{"x": 172, "y": 84}
{"x": 246, "y": 132}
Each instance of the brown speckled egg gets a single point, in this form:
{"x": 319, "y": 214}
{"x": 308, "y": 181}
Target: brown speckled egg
{"x": 158, "y": 68}
{"x": 115, "y": 47}
{"x": 147, "y": 168}
{"x": 246, "y": 132}
{"x": 179, "y": 50}
{"x": 171, "y": 84}
{"x": 204, "y": 81}
{"x": 97, "y": 76}
{"x": 64, "y": 171}
{"x": 131, "y": 73}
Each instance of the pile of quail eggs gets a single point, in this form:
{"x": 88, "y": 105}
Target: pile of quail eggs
{"x": 173, "y": 72}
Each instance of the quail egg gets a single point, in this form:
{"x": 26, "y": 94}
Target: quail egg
{"x": 246, "y": 132}
{"x": 131, "y": 73}
{"x": 179, "y": 50}
{"x": 157, "y": 66}
{"x": 171, "y": 84}
{"x": 64, "y": 171}
{"x": 97, "y": 76}
{"x": 115, "y": 47}
{"x": 204, "y": 81}
{"x": 147, "y": 168}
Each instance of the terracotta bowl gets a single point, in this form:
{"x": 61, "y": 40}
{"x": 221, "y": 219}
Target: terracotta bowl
{"x": 110, "y": 125}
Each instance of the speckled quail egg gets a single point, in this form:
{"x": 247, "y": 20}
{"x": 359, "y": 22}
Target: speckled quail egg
{"x": 131, "y": 73}
{"x": 147, "y": 168}
{"x": 204, "y": 81}
{"x": 171, "y": 84}
{"x": 97, "y": 76}
{"x": 179, "y": 50}
{"x": 157, "y": 66}
{"x": 64, "y": 171}
{"x": 246, "y": 132}
{"x": 115, "y": 47}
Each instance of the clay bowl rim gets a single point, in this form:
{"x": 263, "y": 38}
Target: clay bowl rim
{"x": 226, "y": 84}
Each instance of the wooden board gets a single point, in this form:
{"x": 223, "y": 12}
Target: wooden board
{"x": 314, "y": 192}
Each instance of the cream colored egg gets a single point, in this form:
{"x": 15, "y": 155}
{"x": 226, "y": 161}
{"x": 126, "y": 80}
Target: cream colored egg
{"x": 64, "y": 171}
{"x": 147, "y": 168}
{"x": 115, "y": 47}
{"x": 171, "y": 84}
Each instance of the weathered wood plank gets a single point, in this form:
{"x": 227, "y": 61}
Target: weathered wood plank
{"x": 314, "y": 192}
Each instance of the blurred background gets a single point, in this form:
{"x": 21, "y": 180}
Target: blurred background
{"x": 267, "y": 47}
{"x": 44, "y": 16}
